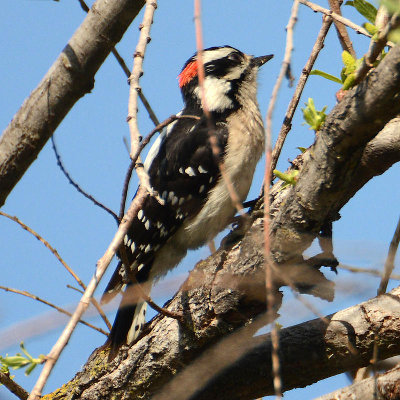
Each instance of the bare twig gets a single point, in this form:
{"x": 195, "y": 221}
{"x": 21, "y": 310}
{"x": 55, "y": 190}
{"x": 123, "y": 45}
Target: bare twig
{"x": 102, "y": 265}
{"x": 376, "y": 46}
{"x": 268, "y": 262}
{"x": 124, "y": 67}
{"x": 341, "y": 30}
{"x": 137, "y": 72}
{"x": 389, "y": 263}
{"x": 142, "y": 145}
{"x": 60, "y": 259}
{"x": 287, "y": 123}
{"x": 336, "y": 17}
{"x": 59, "y": 309}
{"x": 211, "y": 133}
{"x": 13, "y": 387}
{"x": 369, "y": 271}
{"x": 76, "y": 186}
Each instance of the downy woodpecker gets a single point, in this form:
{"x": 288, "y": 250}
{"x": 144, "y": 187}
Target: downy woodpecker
{"x": 185, "y": 173}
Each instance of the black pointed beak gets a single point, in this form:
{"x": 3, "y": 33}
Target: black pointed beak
{"x": 259, "y": 61}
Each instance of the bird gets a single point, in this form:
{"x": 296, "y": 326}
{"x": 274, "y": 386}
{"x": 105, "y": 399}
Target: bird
{"x": 183, "y": 170}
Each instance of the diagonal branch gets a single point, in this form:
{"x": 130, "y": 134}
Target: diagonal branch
{"x": 70, "y": 77}
{"x": 61, "y": 260}
{"x": 102, "y": 265}
{"x": 287, "y": 122}
{"x": 227, "y": 291}
{"x": 341, "y": 30}
{"x": 13, "y": 387}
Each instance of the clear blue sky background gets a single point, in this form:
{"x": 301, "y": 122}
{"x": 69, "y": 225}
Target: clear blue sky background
{"x": 90, "y": 142}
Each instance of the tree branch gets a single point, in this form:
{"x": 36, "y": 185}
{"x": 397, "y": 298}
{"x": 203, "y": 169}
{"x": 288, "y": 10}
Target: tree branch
{"x": 383, "y": 386}
{"x": 70, "y": 77}
{"x": 13, "y": 387}
{"x": 226, "y": 291}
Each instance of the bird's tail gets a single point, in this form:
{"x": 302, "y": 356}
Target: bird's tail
{"x": 128, "y": 322}
{"x": 131, "y": 312}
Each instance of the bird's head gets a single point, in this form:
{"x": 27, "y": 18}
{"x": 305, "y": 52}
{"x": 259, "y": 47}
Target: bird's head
{"x": 230, "y": 78}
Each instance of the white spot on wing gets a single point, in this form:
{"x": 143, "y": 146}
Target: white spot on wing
{"x": 190, "y": 171}
{"x": 174, "y": 200}
{"x": 201, "y": 190}
{"x": 140, "y": 214}
{"x": 147, "y": 225}
{"x": 148, "y": 248}
{"x": 202, "y": 170}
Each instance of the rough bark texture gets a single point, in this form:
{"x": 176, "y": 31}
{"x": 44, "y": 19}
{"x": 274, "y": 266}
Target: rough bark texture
{"x": 224, "y": 293}
{"x": 316, "y": 349}
{"x": 383, "y": 387}
{"x": 331, "y": 165}
{"x": 69, "y": 78}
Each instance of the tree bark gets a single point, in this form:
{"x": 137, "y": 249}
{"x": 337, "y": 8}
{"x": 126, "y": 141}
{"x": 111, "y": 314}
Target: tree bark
{"x": 70, "y": 78}
{"x": 224, "y": 296}
{"x": 383, "y": 387}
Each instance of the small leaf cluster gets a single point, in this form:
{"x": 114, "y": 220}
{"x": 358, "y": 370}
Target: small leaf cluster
{"x": 21, "y": 361}
{"x": 347, "y": 75}
{"x": 312, "y": 116}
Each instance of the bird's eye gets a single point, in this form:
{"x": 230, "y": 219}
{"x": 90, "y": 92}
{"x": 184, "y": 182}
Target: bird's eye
{"x": 235, "y": 57}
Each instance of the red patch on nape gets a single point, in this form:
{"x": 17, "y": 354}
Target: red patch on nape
{"x": 188, "y": 73}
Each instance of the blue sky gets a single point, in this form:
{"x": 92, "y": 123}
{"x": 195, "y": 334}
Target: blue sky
{"x": 91, "y": 146}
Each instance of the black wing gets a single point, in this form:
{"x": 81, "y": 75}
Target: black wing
{"x": 182, "y": 169}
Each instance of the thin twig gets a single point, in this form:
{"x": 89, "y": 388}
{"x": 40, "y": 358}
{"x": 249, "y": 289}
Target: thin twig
{"x": 336, "y": 17}
{"x": 59, "y": 309}
{"x": 137, "y": 72}
{"x": 211, "y": 131}
{"x": 124, "y": 67}
{"x": 76, "y": 186}
{"x": 102, "y": 265}
{"x": 341, "y": 30}
{"x": 142, "y": 145}
{"x": 375, "y": 48}
{"x": 287, "y": 123}
{"x": 267, "y": 251}
{"x": 389, "y": 263}
{"x": 13, "y": 386}
{"x": 369, "y": 271}
{"x": 60, "y": 259}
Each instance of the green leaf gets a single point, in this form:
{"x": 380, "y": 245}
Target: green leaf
{"x": 366, "y": 9}
{"x": 348, "y": 83}
{"x": 289, "y": 178}
{"x": 325, "y": 75}
{"x": 371, "y": 28}
{"x": 30, "y": 368}
{"x": 15, "y": 362}
{"x": 312, "y": 116}
{"x": 349, "y": 61}
{"x": 302, "y": 149}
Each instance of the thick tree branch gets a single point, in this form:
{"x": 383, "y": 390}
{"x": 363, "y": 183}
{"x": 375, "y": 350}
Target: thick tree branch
{"x": 69, "y": 78}
{"x": 226, "y": 291}
{"x": 384, "y": 386}
{"x": 317, "y": 350}
{"x": 330, "y": 165}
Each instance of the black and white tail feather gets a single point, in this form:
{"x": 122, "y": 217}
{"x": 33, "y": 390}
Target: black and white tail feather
{"x": 184, "y": 171}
